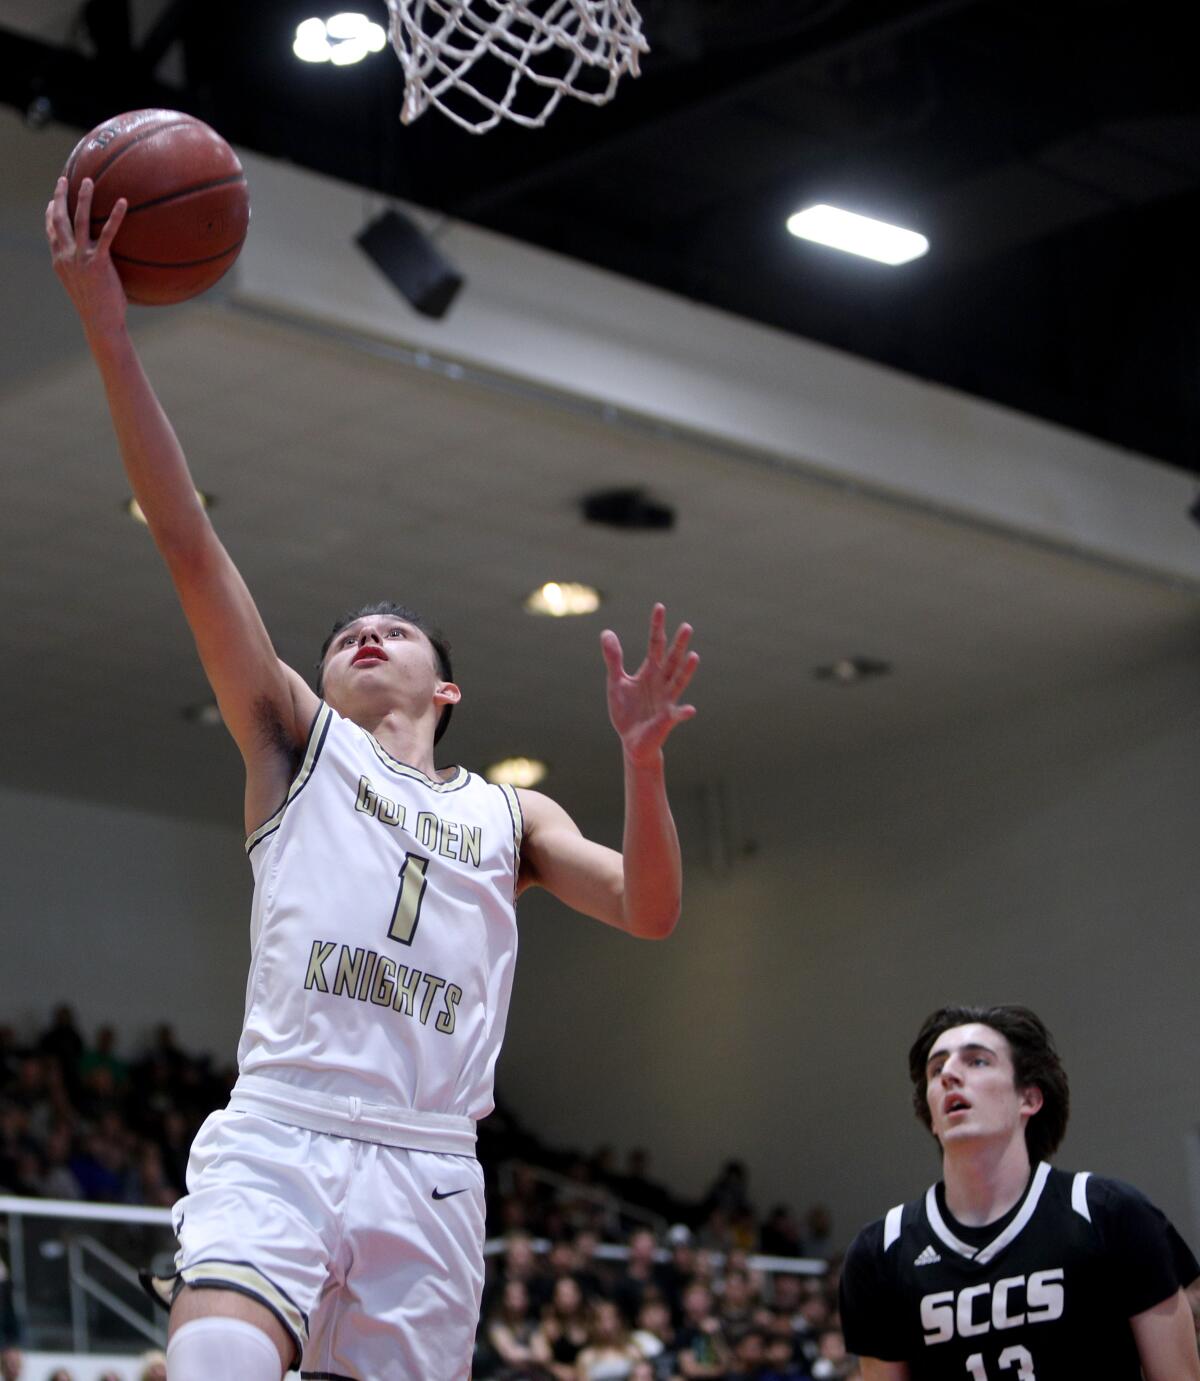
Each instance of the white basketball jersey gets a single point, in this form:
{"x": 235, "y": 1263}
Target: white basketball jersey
{"x": 383, "y": 940}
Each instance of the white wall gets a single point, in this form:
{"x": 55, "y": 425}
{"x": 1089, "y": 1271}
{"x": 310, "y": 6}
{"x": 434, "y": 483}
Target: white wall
{"x": 134, "y": 919}
{"x": 1054, "y": 866}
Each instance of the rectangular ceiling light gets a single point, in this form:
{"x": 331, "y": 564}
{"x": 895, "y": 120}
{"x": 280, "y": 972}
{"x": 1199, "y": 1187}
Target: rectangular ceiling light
{"x": 828, "y": 225}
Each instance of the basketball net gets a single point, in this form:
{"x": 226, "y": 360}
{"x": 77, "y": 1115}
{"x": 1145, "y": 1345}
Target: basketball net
{"x": 540, "y": 51}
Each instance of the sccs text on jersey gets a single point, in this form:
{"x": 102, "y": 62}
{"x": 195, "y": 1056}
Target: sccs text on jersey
{"x": 978, "y": 1309}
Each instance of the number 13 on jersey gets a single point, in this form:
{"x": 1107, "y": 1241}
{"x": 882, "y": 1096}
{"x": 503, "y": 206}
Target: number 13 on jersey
{"x": 1012, "y": 1358}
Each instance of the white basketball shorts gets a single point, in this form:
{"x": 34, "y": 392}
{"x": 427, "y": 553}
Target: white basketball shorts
{"x": 371, "y": 1256}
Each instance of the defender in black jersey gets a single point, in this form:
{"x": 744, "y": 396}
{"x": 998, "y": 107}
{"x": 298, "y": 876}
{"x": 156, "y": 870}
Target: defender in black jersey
{"x": 1009, "y": 1270}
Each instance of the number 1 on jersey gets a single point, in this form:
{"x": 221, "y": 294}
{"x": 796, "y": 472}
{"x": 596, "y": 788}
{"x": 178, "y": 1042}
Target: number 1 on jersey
{"x": 407, "y": 911}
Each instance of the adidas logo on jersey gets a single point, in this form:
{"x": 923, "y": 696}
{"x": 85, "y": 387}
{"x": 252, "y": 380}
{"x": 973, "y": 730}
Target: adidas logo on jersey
{"x": 927, "y": 1258}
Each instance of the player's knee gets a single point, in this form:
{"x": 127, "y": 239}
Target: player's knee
{"x": 216, "y": 1347}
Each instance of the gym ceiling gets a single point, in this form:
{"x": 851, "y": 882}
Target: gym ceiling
{"x": 1049, "y": 149}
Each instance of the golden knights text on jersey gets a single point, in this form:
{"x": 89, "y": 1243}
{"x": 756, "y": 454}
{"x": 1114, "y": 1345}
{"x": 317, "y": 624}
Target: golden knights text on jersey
{"x": 383, "y": 936}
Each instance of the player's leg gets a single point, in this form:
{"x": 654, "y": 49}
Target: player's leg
{"x": 413, "y": 1257}
{"x": 256, "y": 1234}
{"x": 222, "y": 1333}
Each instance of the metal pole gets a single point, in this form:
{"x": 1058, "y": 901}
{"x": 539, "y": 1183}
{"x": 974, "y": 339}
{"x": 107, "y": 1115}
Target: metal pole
{"x": 79, "y": 1327}
{"x": 16, "y": 1262}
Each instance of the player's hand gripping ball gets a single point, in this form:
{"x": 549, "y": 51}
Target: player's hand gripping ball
{"x": 189, "y": 207}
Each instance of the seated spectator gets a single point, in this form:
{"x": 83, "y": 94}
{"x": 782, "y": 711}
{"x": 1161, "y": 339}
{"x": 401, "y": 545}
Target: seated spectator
{"x": 25, "y": 1179}
{"x": 818, "y": 1231}
{"x": 813, "y": 1320}
{"x": 700, "y": 1344}
{"x": 645, "y": 1371}
{"x": 780, "y": 1234}
{"x": 521, "y": 1262}
{"x": 174, "y": 1143}
{"x": 62, "y": 1043}
{"x": 611, "y": 1353}
{"x": 787, "y": 1294}
{"x": 512, "y": 1330}
{"x": 58, "y": 1179}
{"x": 565, "y": 1327}
{"x": 148, "y": 1182}
{"x": 103, "y": 1055}
{"x": 730, "y": 1190}
{"x": 97, "y": 1093}
{"x": 10, "y": 1057}
{"x": 99, "y": 1164}
{"x": 737, "y": 1302}
{"x": 782, "y": 1363}
{"x": 636, "y": 1186}
{"x": 749, "y": 1356}
{"x": 833, "y": 1363}
{"x": 590, "y": 1273}
{"x": 154, "y": 1366}
{"x": 11, "y": 1364}
{"x": 676, "y": 1273}
{"x": 639, "y": 1273}
{"x": 562, "y": 1259}
{"x": 655, "y": 1337}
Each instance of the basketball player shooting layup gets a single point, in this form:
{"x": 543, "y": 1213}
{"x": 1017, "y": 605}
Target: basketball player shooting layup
{"x": 335, "y": 1209}
{"x": 1008, "y": 1270}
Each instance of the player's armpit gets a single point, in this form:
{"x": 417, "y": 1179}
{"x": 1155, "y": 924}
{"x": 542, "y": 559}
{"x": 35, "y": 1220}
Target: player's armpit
{"x": 585, "y": 875}
{"x": 1166, "y": 1341}
{"x": 875, "y": 1370}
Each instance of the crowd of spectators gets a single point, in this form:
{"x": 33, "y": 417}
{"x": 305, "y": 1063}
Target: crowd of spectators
{"x": 86, "y": 1121}
{"x": 151, "y": 1366}
{"x": 83, "y": 1121}
{"x": 658, "y": 1312}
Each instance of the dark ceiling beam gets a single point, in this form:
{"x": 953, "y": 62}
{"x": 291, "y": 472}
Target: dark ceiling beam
{"x": 108, "y": 26}
{"x": 642, "y": 125}
{"x": 81, "y": 91}
{"x": 169, "y": 27}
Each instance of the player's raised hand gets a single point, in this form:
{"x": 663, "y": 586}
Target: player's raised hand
{"x": 84, "y": 265}
{"x": 644, "y": 706}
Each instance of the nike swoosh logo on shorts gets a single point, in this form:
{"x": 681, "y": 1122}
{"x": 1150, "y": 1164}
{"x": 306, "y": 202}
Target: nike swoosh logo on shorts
{"x": 449, "y": 1194}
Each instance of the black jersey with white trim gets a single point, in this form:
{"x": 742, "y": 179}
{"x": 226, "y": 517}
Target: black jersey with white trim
{"x": 1044, "y": 1294}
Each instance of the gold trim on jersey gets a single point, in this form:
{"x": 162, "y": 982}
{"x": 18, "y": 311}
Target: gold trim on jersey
{"x": 518, "y": 824}
{"x": 239, "y": 1276}
{"x": 316, "y": 739}
{"x": 460, "y": 779}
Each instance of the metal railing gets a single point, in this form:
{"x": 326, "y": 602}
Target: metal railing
{"x": 69, "y": 1285}
{"x": 79, "y": 1302}
{"x": 613, "y": 1208}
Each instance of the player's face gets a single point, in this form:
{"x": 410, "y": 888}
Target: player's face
{"x": 380, "y": 658}
{"x": 971, "y": 1090}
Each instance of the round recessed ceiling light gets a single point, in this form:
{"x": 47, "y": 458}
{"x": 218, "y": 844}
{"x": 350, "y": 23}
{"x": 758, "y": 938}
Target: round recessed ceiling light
{"x": 847, "y": 671}
{"x": 563, "y": 599}
{"x": 206, "y": 714}
{"x": 516, "y": 772}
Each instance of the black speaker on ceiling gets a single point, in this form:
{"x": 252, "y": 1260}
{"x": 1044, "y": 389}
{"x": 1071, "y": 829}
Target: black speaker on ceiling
{"x": 411, "y": 262}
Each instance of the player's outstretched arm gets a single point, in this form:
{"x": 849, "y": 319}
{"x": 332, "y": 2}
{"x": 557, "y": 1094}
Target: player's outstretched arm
{"x": 638, "y": 889}
{"x": 1166, "y": 1340}
{"x": 241, "y": 665}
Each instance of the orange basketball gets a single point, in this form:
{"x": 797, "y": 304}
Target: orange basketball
{"x": 189, "y": 207}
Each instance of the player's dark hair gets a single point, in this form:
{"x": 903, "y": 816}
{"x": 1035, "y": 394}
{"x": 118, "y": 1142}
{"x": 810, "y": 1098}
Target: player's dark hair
{"x": 1035, "y": 1065}
{"x": 437, "y": 639}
